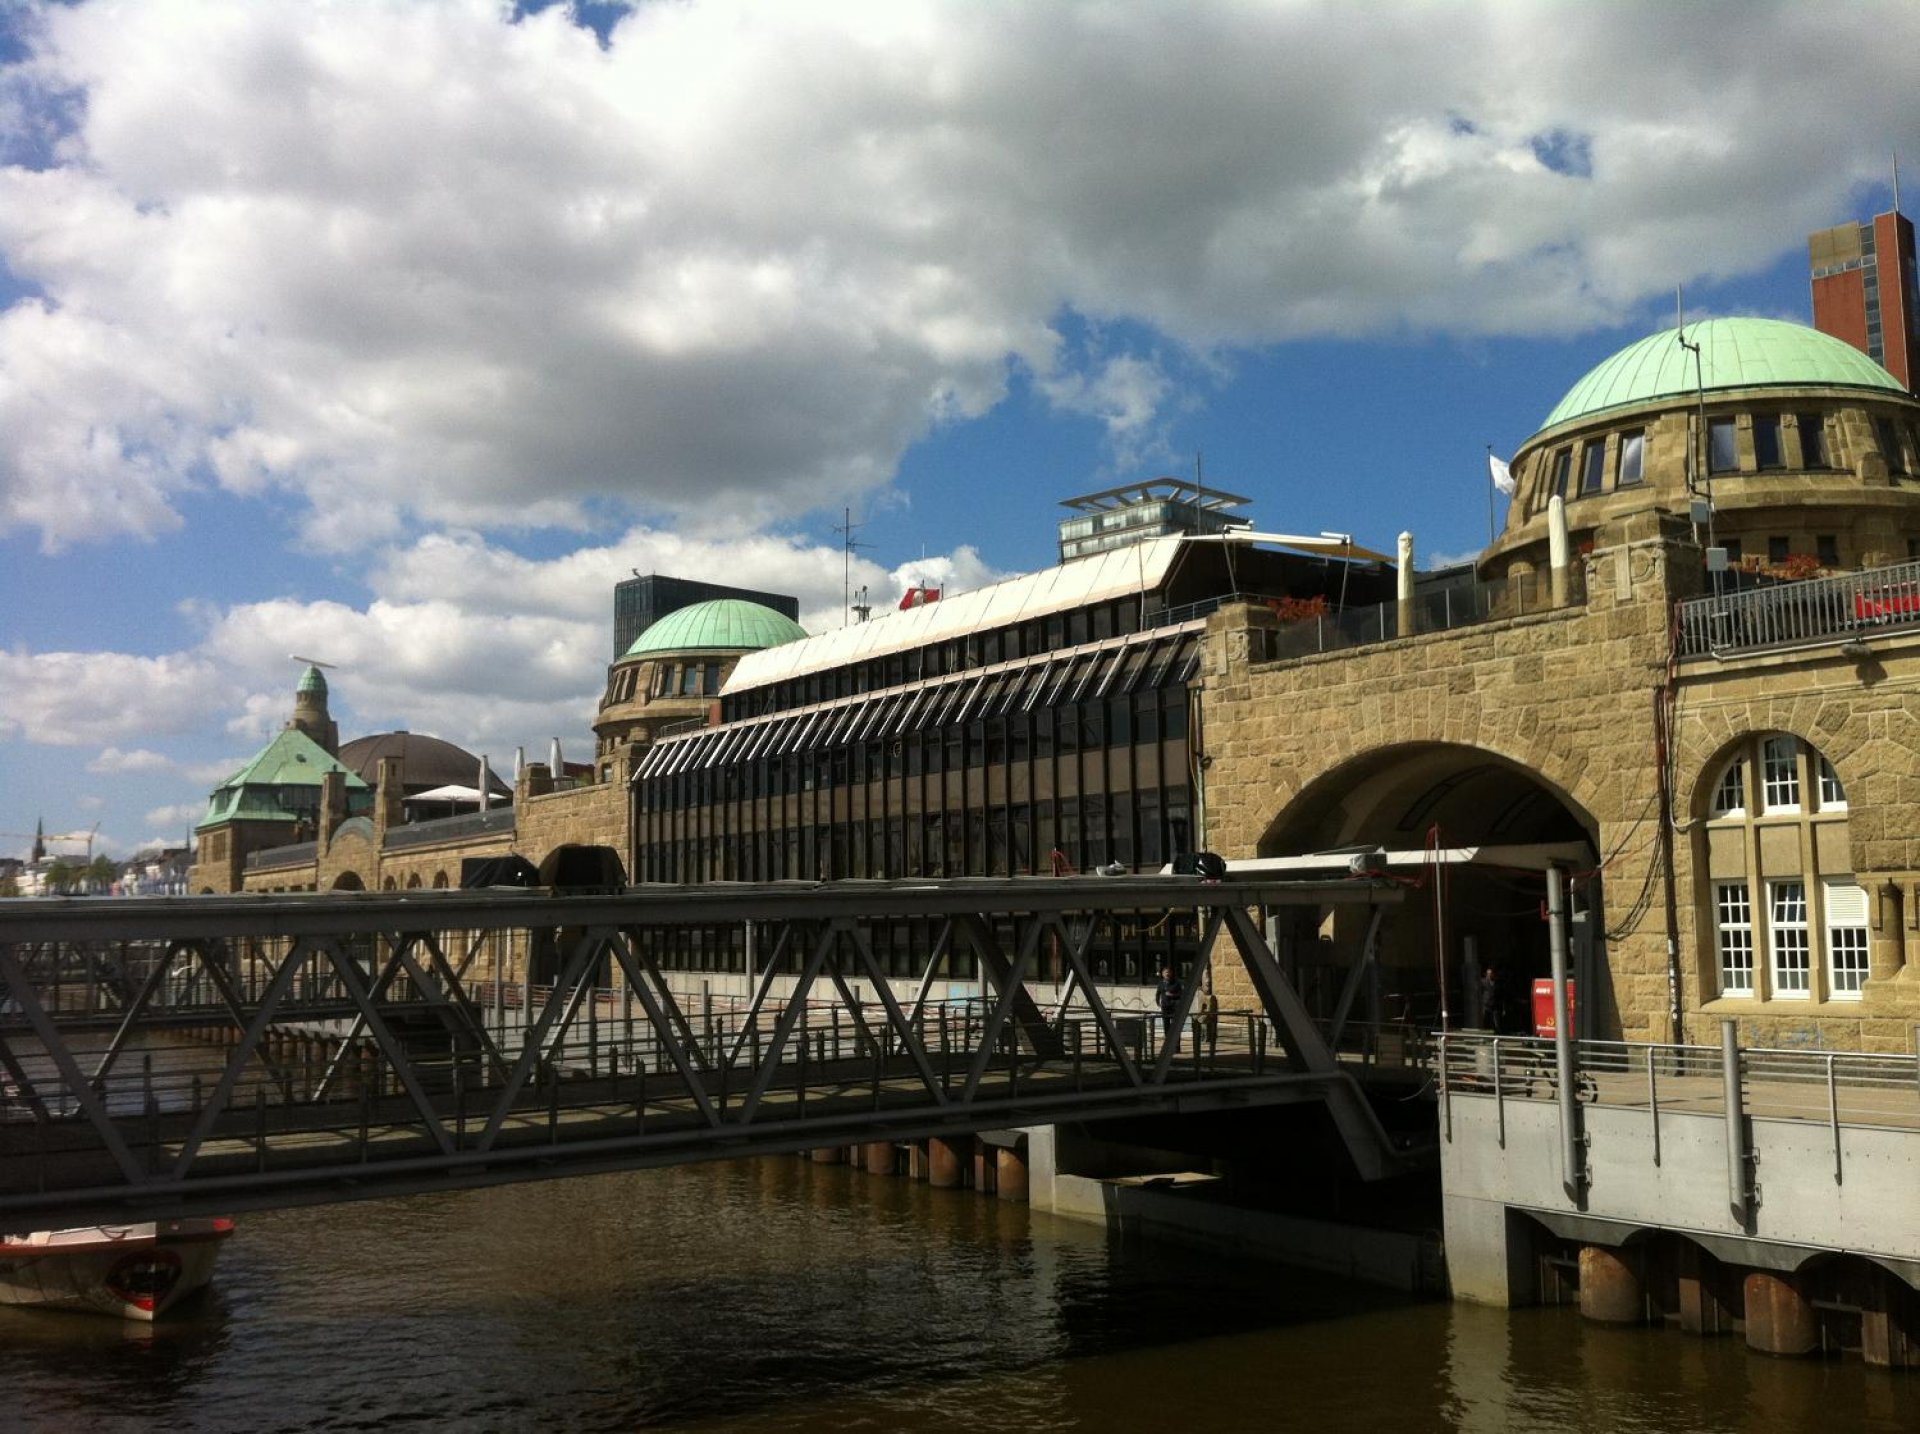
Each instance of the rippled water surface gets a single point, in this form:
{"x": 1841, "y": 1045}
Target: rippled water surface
{"x": 778, "y": 1295}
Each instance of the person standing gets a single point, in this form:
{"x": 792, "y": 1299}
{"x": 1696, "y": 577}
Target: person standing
{"x": 1166, "y": 995}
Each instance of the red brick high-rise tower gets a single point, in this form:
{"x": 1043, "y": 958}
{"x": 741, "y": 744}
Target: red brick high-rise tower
{"x": 1864, "y": 290}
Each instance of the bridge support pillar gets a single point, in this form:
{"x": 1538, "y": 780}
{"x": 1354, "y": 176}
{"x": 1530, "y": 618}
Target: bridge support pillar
{"x": 1708, "y": 1293}
{"x": 1611, "y": 1289}
{"x": 1010, "y": 1174}
{"x": 946, "y": 1163}
{"x": 984, "y": 1168}
{"x": 877, "y": 1157}
{"x": 829, "y": 1155}
{"x": 1890, "y": 1324}
{"x": 1780, "y": 1318}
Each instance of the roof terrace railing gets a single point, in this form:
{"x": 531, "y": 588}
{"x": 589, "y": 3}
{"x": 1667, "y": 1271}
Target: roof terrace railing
{"x": 1808, "y": 611}
{"x": 1303, "y": 634}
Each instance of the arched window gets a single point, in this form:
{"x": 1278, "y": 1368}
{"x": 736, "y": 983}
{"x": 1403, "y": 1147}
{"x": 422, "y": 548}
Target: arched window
{"x": 1789, "y": 920}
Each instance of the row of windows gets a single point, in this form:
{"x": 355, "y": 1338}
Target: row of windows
{"x": 1788, "y": 936}
{"x": 1141, "y": 829}
{"x": 1723, "y": 451}
{"x": 978, "y": 649}
{"x": 1119, "y": 722}
{"x": 1780, "y": 791}
{"x": 1610, "y": 462}
{"x": 1118, "y": 950}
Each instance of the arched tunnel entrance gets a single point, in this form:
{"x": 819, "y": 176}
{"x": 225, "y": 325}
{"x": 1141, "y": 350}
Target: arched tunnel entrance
{"x": 1469, "y": 834}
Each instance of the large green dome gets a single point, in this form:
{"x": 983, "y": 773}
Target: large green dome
{"x": 1734, "y": 353}
{"x": 722, "y": 625}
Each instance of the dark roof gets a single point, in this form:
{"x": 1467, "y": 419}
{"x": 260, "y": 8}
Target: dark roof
{"x": 425, "y": 762}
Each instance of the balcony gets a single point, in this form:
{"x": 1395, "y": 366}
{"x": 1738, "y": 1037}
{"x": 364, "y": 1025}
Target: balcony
{"x": 1803, "y": 613}
{"x": 1439, "y": 607}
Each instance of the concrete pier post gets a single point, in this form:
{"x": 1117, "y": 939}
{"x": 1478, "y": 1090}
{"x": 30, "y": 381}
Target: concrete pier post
{"x": 830, "y": 1155}
{"x": 877, "y": 1157}
{"x": 917, "y": 1160}
{"x": 1780, "y": 1319}
{"x": 946, "y": 1163}
{"x": 1404, "y": 587}
{"x": 1707, "y": 1293}
{"x": 1611, "y": 1288}
{"x": 1890, "y": 1324}
{"x": 1010, "y": 1174}
{"x": 983, "y": 1167}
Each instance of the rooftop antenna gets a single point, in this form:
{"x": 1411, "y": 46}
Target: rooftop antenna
{"x": 311, "y": 661}
{"x": 1894, "y": 154}
{"x": 846, "y": 528}
{"x": 1697, "y": 469}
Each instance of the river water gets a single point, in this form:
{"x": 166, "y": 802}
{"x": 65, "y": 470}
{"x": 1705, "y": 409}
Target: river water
{"x": 783, "y": 1296}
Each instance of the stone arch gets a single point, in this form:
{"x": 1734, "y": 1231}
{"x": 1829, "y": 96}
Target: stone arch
{"x": 348, "y": 881}
{"x": 440, "y": 880}
{"x": 389, "y": 884}
{"x": 1486, "y": 917}
{"x": 413, "y": 881}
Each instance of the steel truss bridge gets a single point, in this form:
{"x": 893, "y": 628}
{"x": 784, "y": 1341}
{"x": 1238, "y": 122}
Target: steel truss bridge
{"x": 212, "y": 1054}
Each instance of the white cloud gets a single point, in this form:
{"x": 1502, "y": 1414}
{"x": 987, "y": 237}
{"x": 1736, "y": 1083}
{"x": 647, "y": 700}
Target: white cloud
{"x": 67, "y": 699}
{"x": 113, "y": 761}
{"x": 408, "y": 260}
{"x": 175, "y": 818}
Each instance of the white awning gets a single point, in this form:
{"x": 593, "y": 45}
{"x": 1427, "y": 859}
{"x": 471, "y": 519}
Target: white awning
{"x": 1123, "y": 572}
{"x": 1532, "y": 856}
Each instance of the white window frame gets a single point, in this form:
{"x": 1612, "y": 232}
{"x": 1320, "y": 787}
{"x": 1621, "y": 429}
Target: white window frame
{"x": 1780, "y": 782}
{"x": 1789, "y": 939}
{"x": 1833, "y": 795}
{"x": 1735, "y": 777}
{"x": 1733, "y": 936}
{"x": 1849, "y": 945}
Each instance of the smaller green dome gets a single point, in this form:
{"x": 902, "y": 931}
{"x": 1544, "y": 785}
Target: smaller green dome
{"x": 312, "y": 681}
{"x": 722, "y": 625}
{"x": 1734, "y": 353}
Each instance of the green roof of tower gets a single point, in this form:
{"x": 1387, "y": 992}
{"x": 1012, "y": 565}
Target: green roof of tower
{"x": 312, "y": 681}
{"x": 1734, "y": 354}
{"x": 721, "y": 625}
{"x": 291, "y": 759}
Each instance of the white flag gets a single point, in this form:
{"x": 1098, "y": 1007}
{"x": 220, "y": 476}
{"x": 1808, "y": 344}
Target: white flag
{"x": 1502, "y": 475}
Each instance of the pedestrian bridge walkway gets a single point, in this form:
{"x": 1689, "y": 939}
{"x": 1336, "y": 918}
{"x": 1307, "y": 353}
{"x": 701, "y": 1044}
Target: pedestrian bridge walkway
{"x": 195, "y": 1055}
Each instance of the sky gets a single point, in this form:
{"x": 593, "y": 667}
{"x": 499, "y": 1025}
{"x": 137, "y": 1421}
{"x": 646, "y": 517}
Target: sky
{"x": 395, "y": 332}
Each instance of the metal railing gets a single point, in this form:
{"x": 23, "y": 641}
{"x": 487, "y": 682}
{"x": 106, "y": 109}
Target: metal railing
{"x": 1843, "y": 1087}
{"x": 1807, "y": 611}
{"x": 1442, "y": 610}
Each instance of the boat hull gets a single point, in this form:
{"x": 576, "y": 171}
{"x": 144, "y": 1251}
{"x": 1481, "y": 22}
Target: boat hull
{"x": 136, "y": 1272}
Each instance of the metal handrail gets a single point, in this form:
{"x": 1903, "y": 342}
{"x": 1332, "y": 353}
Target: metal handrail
{"x": 1806, "y": 611}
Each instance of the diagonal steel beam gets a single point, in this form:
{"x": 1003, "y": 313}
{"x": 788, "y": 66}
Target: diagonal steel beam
{"x": 136, "y": 1008}
{"x": 897, "y": 1020}
{"x": 1368, "y": 954}
{"x": 1027, "y": 1016}
{"x": 397, "y": 1056}
{"x": 763, "y": 984}
{"x": 1010, "y": 990}
{"x": 783, "y": 1028}
{"x": 1076, "y": 953}
{"x": 846, "y": 928}
{"x": 663, "y": 1028}
{"x": 1177, "y": 1023}
{"x": 298, "y": 955}
{"x": 668, "y": 1003}
{"x": 534, "y": 1040}
{"x": 942, "y": 944}
{"x": 89, "y": 1098}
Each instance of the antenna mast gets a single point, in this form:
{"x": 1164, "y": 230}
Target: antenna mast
{"x": 846, "y": 528}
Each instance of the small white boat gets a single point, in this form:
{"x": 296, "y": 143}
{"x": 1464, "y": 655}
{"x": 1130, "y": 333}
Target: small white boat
{"x": 133, "y": 1271}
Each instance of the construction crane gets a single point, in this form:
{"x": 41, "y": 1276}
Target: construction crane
{"x": 49, "y": 838}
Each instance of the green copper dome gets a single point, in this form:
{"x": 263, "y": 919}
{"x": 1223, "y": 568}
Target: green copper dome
{"x": 1734, "y": 353}
{"x": 312, "y": 681}
{"x": 722, "y": 625}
